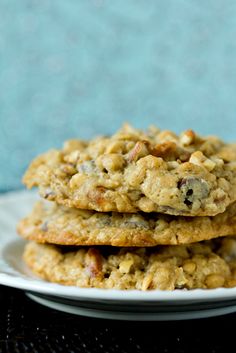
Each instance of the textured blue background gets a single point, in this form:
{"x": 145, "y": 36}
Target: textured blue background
{"x": 80, "y": 67}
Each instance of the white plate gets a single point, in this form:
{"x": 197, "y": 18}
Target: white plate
{"x": 102, "y": 303}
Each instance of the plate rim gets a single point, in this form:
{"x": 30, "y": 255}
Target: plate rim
{"x": 130, "y": 316}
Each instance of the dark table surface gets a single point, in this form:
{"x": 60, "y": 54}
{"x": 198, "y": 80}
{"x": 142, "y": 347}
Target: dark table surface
{"x": 29, "y": 327}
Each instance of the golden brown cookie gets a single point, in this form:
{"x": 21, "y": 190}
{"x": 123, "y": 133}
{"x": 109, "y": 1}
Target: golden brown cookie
{"x": 135, "y": 171}
{"x": 52, "y": 223}
{"x": 209, "y": 264}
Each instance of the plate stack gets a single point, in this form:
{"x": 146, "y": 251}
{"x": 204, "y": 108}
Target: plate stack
{"x": 136, "y": 210}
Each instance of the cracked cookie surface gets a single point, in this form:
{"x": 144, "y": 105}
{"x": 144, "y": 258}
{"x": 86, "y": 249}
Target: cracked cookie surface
{"x": 132, "y": 170}
{"x": 56, "y": 224}
{"x": 209, "y": 264}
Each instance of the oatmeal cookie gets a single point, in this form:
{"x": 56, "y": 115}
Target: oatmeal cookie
{"x": 56, "y": 224}
{"x": 210, "y": 264}
{"x": 133, "y": 171}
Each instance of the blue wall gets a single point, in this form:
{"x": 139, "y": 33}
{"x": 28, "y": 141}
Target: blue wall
{"x": 80, "y": 67}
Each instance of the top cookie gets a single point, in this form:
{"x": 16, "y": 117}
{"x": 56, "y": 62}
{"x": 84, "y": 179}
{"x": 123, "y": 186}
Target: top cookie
{"x": 131, "y": 171}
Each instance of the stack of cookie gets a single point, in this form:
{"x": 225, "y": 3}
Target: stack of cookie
{"x": 136, "y": 210}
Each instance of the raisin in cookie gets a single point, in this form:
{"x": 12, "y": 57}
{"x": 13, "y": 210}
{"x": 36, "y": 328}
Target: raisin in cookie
{"x": 56, "y": 224}
{"x": 209, "y": 264}
{"x": 133, "y": 171}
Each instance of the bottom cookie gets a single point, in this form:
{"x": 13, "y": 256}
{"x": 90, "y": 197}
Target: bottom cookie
{"x": 209, "y": 264}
